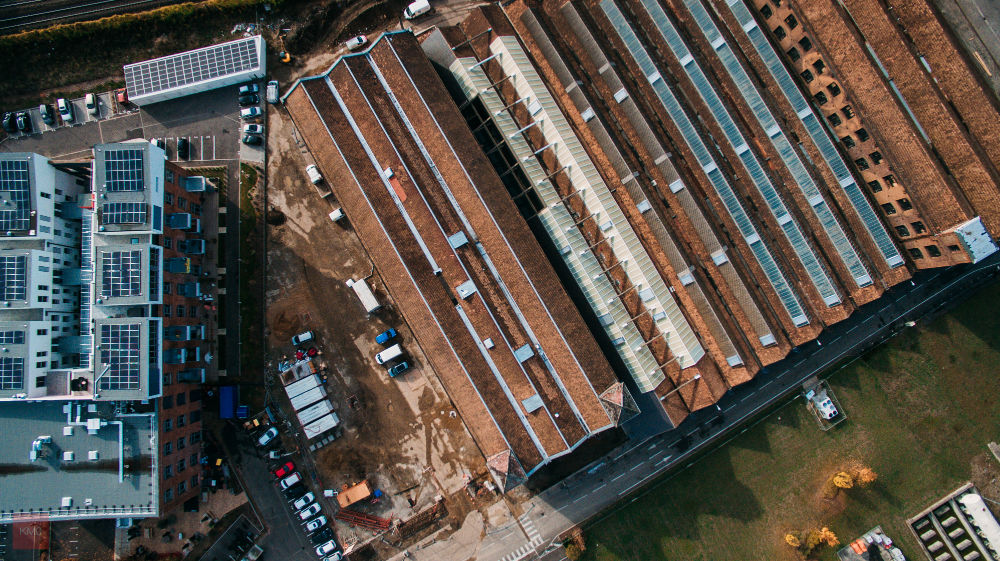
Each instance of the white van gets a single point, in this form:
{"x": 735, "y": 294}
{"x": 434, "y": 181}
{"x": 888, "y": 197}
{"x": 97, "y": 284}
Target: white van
{"x": 392, "y": 352}
{"x": 417, "y": 9}
{"x": 314, "y": 175}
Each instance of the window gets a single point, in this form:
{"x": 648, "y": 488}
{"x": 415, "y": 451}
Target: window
{"x": 181, "y": 442}
{"x": 861, "y": 163}
{"x": 918, "y": 227}
{"x": 192, "y": 311}
{"x": 806, "y": 44}
{"x": 916, "y": 253}
{"x": 168, "y": 495}
{"x": 834, "y": 119}
{"x": 169, "y": 175}
{"x": 181, "y": 465}
{"x": 819, "y": 66}
{"x": 40, "y": 381}
{"x": 876, "y": 157}
{"x": 779, "y": 32}
{"x": 793, "y": 53}
{"x": 168, "y": 198}
{"x": 168, "y": 448}
{"x": 196, "y": 209}
{"x": 193, "y": 459}
{"x": 166, "y": 311}
{"x": 848, "y": 141}
{"x": 888, "y": 208}
{"x": 933, "y": 251}
{"x": 180, "y": 311}
{"x": 182, "y": 203}
{"x": 875, "y": 186}
{"x": 848, "y": 111}
{"x": 807, "y": 76}
{"x": 862, "y": 134}
{"x": 167, "y": 402}
{"x": 765, "y": 11}
{"x": 168, "y": 472}
{"x": 181, "y": 487}
{"x": 902, "y": 231}
{"x": 168, "y": 425}
{"x": 904, "y": 204}
{"x": 181, "y": 421}
{"x": 196, "y": 416}
{"x": 791, "y": 22}
{"x": 820, "y": 98}
{"x": 166, "y": 287}
{"x": 167, "y": 379}
{"x": 194, "y": 481}
{"x": 168, "y": 243}
{"x": 195, "y": 437}
{"x": 181, "y": 398}
{"x": 194, "y": 395}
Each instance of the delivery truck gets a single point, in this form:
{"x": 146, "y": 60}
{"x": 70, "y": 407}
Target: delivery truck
{"x": 365, "y": 294}
{"x": 314, "y": 411}
{"x": 321, "y": 425}
{"x": 299, "y": 387}
{"x": 306, "y": 399}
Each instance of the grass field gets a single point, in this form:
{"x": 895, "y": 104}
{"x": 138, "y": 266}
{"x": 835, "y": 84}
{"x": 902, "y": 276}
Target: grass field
{"x": 920, "y": 411}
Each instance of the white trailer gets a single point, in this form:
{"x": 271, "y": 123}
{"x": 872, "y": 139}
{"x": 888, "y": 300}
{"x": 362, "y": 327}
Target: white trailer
{"x": 306, "y": 399}
{"x": 299, "y": 387}
{"x": 315, "y": 411}
{"x": 365, "y": 295}
{"x": 321, "y": 425}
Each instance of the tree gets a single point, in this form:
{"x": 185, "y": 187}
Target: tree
{"x": 843, "y": 480}
{"x": 793, "y": 540}
{"x": 573, "y": 552}
{"x": 865, "y": 476}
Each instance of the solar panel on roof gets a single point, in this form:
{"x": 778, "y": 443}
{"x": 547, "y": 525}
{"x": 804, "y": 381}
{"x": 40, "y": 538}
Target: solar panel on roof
{"x": 13, "y": 277}
{"x": 123, "y": 170}
{"x": 11, "y": 373}
{"x": 15, "y": 199}
{"x": 121, "y": 273}
{"x": 123, "y": 213}
{"x": 199, "y": 65}
{"x": 120, "y": 356}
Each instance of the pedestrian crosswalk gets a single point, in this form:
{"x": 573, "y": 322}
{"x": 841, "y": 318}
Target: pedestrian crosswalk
{"x": 534, "y": 540}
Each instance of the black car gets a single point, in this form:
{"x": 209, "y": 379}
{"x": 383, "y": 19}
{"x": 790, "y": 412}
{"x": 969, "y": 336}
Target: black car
{"x": 294, "y": 491}
{"x": 8, "y": 122}
{"x": 322, "y": 536}
{"x": 47, "y": 113}
{"x": 252, "y": 139}
{"x": 249, "y": 99}
{"x": 183, "y": 148}
{"x": 24, "y": 122}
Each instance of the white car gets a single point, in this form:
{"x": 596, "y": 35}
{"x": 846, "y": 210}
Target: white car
{"x": 327, "y": 548}
{"x": 314, "y": 175}
{"x": 253, "y": 129}
{"x": 267, "y": 437}
{"x": 65, "y": 109}
{"x": 301, "y": 502}
{"x": 335, "y": 557}
{"x": 291, "y": 480}
{"x": 250, "y": 113}
{"x": 90, "y": 100}
{"x": 272, "y": 91}
{"x": 356, "y": 43}
{"x": 303, "y": 338}
{"x": 309, "y": 511}
{"x": 315, "y": 524}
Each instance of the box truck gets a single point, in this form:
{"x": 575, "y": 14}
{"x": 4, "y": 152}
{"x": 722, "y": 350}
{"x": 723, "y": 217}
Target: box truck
{"x": 302, "y": 386}
{"x": 392, "y": 352}
{"x": 306, "y": 399}
{"x": 365, "y": 294}
{"x": 315, "y": 411}
{"x": 321, "y": 425}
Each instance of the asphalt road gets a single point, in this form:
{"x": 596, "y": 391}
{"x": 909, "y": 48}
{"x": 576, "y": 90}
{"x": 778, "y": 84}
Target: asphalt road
{"x": 627, "y": 470}
{"x": 976, "y": 23}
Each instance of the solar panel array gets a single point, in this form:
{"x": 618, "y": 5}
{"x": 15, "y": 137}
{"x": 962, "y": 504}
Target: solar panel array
{"x": 121, "y": 273}
{"x": 15, "y": 187}
{"x": 11, "y": 373}
{"x": 120, "y": 355}
{"x": 13, "y": 277}
{"x": 12, "y": 337}
{"x": 123, "y": 213}
{"x": 123, "y": 170}
{"x": 191, "y": 67}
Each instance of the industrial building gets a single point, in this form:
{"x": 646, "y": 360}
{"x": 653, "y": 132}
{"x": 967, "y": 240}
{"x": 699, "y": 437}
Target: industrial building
{"x": 91, "y": 260}
{"x": 468, "y": 276}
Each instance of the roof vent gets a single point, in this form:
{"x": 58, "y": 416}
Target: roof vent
{"x": 68, "y": 456}
{"x": 67, "y": 431}
{"x": 67, "y": 502}
{"x": 92, "y": 455}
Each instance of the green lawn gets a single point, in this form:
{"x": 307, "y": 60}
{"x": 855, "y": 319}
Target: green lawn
{"x": 920, "y": 412}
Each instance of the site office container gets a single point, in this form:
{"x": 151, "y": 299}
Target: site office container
{"x": 300, "y": 387}
{"x": 321, "y": 425}
{"x": 306, "y": 399}
{"x": 365, "y": 294}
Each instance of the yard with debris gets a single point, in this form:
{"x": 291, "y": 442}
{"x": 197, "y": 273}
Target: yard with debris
{"x": 922, "y": 410}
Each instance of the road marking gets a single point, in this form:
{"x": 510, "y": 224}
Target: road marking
{"x": 580, "y": 498}
{"x": 620, "y": 455}
{"x": 635, "y": 466}
{"x": 664, "y": 459}
{"x": 834, "y": 340}
{"x": 213, "y": 146}
{"x": 617, "y": 477}
{"x": 601, "y": 486}
{"x": 651, "y": 446}
{"x": 857, "y": 325}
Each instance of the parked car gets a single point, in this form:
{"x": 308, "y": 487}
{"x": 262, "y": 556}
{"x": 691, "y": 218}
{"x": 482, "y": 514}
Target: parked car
{"x": 337, "y": 556}
{"x": 254, "y": 553}
{"x": 8, "y": 122}
{"x": 291, "y": 480}
{"x": 268, "y": 436}
{"x": 386, "y": 336}
{"x": 252, "y": 140}
{"x": 47, "y": 113}
{"x": 327, "y": 548}
{"x": 303, "y": 338}
{"x": 301, "y": 502}
{"x": 322, "y": 536}
{"x": 284, "y": 470}
{"x": 250, "y": 113}
{"x": 313, "y": 172}
{"x": 249, "y": 89}
{"x": 249, "y": 99}
{"x": 388, "y": 354}
{"x": 90, "y": 100}
{"x": 294, "y": 491}
{"x": 253, "y": 128}
{"x": 65, "y": 110}
{"x": 398, "y": 369}
{"x": 24, "y": 122}
{"x": 315, "y": 524}
{"x": 309, "y": 511}
{"x": 355, "y": 43}
{"x": 121, "y": 95}
{"x": 272, "y": 91}
{"x": 183, "y": 148}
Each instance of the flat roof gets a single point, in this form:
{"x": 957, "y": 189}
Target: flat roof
{"x": 108, "y": 471}
{"x": 128, "y": 187}
{"x": 17, "y": 177}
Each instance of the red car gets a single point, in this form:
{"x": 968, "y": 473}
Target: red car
{"x": 284, "y": 470}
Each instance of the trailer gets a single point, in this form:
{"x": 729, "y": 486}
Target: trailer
{"x": 314, "y": 411}
{"x": 306, "y": 399}
{"x": 365, "y": 294}
{"x": 299, "y": 387}
{"x": 321, "y": 425}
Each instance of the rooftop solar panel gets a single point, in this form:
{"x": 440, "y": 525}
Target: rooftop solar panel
{"x": 15, "y": 189}
{"x": 11, "y": 373}
{"x": 191, "y": 67}
{"x": 120, "y": 356}
{"x": 123, "y": 170}
{"x": 123, "y": 213}
{"x": 121, "y": 273}
{"x": 13, "y": 277}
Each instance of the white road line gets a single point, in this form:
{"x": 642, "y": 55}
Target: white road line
{"x": 601, "y": 486}
{"x": 617, "y": 477}
{"x": 834, "y": 340}
{"x": 635, "y": 466}
{"x": 580, "y": 498}
{"x": 664, "y": 459}
{"x": 620, "y": 455}
{"x": 213, "y": 146}
{"x": 651, "y": 446}
{"x": 856, "y": 325}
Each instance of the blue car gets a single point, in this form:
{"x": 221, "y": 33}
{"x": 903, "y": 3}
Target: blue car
{"x": 399, "y": 369}
{"x": 386, "y": 336}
